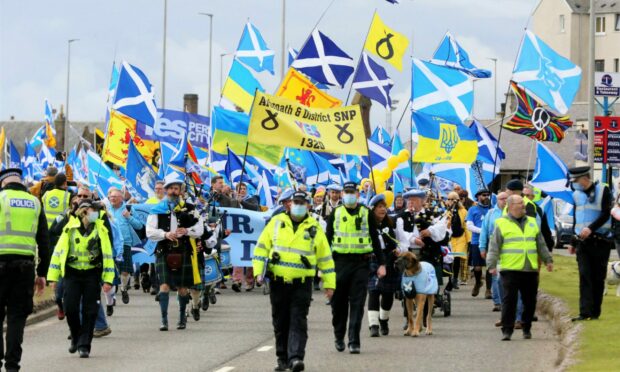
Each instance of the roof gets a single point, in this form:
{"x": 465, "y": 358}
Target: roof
{"x": 17, "y": 131}
{"x": 602, "y": 6}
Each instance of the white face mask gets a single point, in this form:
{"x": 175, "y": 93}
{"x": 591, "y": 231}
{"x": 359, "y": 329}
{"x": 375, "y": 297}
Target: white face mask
{"x": 349, "y": 199}
{"x": 93, "y": 216}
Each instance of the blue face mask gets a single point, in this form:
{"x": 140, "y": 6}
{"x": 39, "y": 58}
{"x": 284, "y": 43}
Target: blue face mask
{"x": 298, "y": 210}
{"x": 577, "y": 186}
{"x": 349, "y": 199}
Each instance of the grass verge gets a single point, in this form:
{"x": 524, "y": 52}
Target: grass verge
{"x": 597, "y": 350}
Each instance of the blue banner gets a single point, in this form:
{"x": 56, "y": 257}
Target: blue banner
{"x": 245, "y": 228}
{"x": 170, "y": 126}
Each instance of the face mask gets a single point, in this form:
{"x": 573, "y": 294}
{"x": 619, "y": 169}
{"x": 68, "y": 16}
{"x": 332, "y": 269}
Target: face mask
{"x": 577, "y": 186}
{"x": 349, "y": 199}
{"x": 298, "y": 210}
{"x": 93, "y": 216}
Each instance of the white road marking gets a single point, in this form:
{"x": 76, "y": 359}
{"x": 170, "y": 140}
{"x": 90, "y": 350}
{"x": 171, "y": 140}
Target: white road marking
{"x": 265, "y": 348}
{"x": 225, "y": 369}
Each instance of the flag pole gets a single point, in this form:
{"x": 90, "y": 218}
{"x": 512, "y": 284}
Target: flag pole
{"x": 410, "y": 145}
{"x": 372, "y": 175}
{"x": 245, "y": 155}
{"x": 402, "y": 115}
{"x": 529, "y": 160}
{"x": 360, "y": 59}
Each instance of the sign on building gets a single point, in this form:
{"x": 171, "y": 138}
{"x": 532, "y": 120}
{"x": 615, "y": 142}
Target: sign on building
{"x": 607, "y": 84}
{"x": 607, "y": 139}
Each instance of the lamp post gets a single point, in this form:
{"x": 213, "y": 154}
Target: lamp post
{"x": 163, "y": 70}
{"x": 210, "y": 59}
{"x": 68, "y": 85}
{"x": 494, "y": 86}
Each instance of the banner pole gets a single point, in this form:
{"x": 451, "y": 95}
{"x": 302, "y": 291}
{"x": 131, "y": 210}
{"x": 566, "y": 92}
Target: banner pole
{"x": 245, "y": 155}
{"x": 372, "y": 175}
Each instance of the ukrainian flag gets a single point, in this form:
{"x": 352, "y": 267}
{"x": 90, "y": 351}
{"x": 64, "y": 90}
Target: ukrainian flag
{"x": 440, "y": 141}
{"x": 231, "y": 129}
{"x": 240, "y": 86}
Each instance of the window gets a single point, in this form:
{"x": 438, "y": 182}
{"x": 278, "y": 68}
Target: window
{"x": 600, "y": 25}
{"x": 599, "y": 65}
{"x": 617, "y": 23}
{"x": 616, "y": 64}
{"x": 562, "y": 22}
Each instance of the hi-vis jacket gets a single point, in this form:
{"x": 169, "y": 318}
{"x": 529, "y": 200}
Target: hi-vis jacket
{"x": 308, "y": 240}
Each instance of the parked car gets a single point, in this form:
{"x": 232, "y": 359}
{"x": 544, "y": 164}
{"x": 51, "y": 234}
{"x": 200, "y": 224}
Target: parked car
{"x": 563, "y": 223}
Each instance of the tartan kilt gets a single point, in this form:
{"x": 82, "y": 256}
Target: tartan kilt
{"x": 126, "y": 266}
{"x": 390, "y": 283}
{"x": 183, "y": 277}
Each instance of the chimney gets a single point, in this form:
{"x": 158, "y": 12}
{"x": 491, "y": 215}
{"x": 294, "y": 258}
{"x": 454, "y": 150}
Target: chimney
{"x": 190, "y": 103}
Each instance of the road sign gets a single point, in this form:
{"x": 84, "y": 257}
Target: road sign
{"x": 607, "y": 139}
{"x": 607, "y": 84}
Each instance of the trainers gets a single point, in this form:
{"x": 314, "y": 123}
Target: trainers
{"x": 164, "y": 325}
{"x": 487, "y": 295}
{"x": 374, "y": 331}
{"x": 527, "y": 334}
{"x": 498, "y": 323}
{"x": 236, "y": 287}
{"x": 497, "y": 308}
{"x": 383, "y": 324}
{"x": 297, "y": 365}
{"x": 60, "y": 313}
{"x": 196, "y": 314}
{"x": 109, "y": 310}
{"x": 281, "y": 366}
{"x": 518, "y": 325}
{"x": 125, "y": 297}
{"x": 249, "y": 288}
{"x": 102, "y": 332}
{"x": 506, "y": 336}
{"x": 339, "y": 345}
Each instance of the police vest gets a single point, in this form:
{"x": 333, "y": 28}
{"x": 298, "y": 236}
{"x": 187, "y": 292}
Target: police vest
{"x": 518, "y": 245}
{"x": 19, "y": 220}
{"x": 84, "y": 255}
{"x": 587, "y": 210}
{"x": 351, "y": 233}
{"x": 55, "y": 202}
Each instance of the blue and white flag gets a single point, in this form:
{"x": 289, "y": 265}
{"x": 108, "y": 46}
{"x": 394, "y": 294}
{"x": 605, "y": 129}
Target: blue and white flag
{"x": 372, "y": 81}
{"x": 292, "y": 56}
{"x": 267, "y": 190}
{"x": 488, "y": 146}
{"x": 451, "y": 54}
{"x": 321, "y": 59}
{"x": 381, "y": 136}
{"x": 352, "y": 165}
{"x": 253, "y": 50}
{"x": 471, "y": 177}
{"x": 309, "y": 168}
{"x": 547, "y": 75}
{"x": 234, "y": 167}
{"x": 47, "y": 157}
{"x": 38, "y": 137}
{"x": 379, "y": 155}
{"x": 551, "y": 175}
{"x": 403, "y": 169}
{"x": 14, "y": 156}
{"x": 30, "y": 164}
{"x": 134, "y": 95}
{"x": 441, "y": 91}
{"x": 49, "y": 116}
{"x": 99, "y": 171}
{"x": 139, "y": 173}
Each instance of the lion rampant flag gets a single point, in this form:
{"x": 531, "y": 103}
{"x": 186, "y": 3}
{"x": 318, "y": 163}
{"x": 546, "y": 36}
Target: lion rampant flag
{"x": 122, "y": 130}
{"x": 296, "y": 87}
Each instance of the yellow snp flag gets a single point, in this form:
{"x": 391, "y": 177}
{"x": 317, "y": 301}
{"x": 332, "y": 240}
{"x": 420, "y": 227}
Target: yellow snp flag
{"x": 386, "y": 43}
{"x": 296, "y": 87}
{"x": 442, "y": 142}
{"x": 279, "y": 121}
{"x": 2, "y": 145}
{"x": 122, "y": 130}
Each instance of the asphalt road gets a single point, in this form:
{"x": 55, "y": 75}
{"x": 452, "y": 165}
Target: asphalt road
{"x": 236, "y": 335}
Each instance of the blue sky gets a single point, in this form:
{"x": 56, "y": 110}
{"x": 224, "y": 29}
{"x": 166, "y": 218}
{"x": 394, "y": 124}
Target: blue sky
{"x": 34, "y": 34}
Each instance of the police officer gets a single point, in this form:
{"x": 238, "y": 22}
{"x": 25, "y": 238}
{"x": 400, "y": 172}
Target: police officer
{"x": 516, "y": 246}
{"x": 288, "y": 252}
{"x": 57, "y": 200}
{"x": 353, "y": 236}
{"x": 593, "y": 240}
{"x": 83, "y": 258}
{"x": 23, "y": 231}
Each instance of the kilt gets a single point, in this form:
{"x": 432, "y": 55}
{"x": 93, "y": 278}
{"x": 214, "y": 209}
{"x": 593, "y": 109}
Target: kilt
{"x": 390, "y": 283}
{"x": 183, "y": 277}
{"x": 127, "y": 265}
{"x": 475, "y": 259}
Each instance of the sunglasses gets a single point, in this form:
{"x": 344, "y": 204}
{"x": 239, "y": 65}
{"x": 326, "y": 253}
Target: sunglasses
{"x": 82, "y": 196}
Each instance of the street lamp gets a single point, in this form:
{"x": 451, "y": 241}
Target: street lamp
{"x": 163, "y": 70}
{"x": 210, "y": 54}
{"x": 68, "y": 81}
{"x": 494, "y": 86}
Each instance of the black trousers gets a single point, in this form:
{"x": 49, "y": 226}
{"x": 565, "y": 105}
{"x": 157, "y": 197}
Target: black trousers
{"x": 380, "y": 300}
{"x": 82, "y": 287}
{"x": 16, "y": 291}
{"x": 514, "y": 282}
{"x": 592, "y": 257}
{"x": 290, "y": 303}
{"x": 349, "y": 297}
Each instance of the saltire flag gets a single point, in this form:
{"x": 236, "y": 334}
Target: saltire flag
{"x": 442, "y": 91}
{"x": 440, "y": 141}
{"x": 253, "y": 50}
{"x": 47, "y": 156}
{"x": 451, "y": 54}
{"x": 398, "y": 186}
{"x": 321, "y": 59}
{"x": 472, "y": 177}
{"x": 79, "y": 166}
{"x": 335, "y": 160}
{"x": 139, "y": 173}
{"x": 403, "y": 169}
{"x": 534, "y": 121}
{"x": 239, "y": 88}
{"x": 134, "y": 95}
{"x": 292, "y": 56}
{"x": 113, "y": 83}
{"x": 553, "y": 79}
{"x": 379, "y": 154}
{"x": 267, "y": 191}
{"x": 38, "y": 137}
{"x": 392, "y": 1}
{"x": 296, "y": 87}
{"x": 14, "y": 157}
{"x": 546, "y": 204}
{"x": 99, "y": 171}
{"x": 551, "y": 174}
{"x": 234, "y": 170}
{"x": 386, "y": 43}
{"x": 380, "y": 135}
{"x": 372, "y": 81}
{"x": 488, "y": 146}
{"x": 30, "y": 164}
{"x": 50, "y": 129}
{"x": 191, "y": 163}
{"x": 230, "y": 129}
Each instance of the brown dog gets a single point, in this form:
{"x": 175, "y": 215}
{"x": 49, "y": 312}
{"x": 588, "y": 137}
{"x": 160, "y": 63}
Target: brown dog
{"x": 410, "y": 266}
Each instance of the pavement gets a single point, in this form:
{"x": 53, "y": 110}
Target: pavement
{"x": 236, "y": 335}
